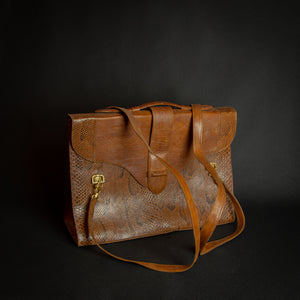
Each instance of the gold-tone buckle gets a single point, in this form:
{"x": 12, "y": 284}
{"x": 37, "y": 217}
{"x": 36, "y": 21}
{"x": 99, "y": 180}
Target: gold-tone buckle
{"x": 214, "y": 165}
{"x": 98, "y": 179}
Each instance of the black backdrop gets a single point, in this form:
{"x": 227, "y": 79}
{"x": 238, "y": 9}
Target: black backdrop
{"x": 60, "y": 58}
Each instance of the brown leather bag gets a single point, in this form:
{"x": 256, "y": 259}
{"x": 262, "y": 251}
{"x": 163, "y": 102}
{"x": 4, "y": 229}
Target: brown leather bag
{"x": 149, "y": 170}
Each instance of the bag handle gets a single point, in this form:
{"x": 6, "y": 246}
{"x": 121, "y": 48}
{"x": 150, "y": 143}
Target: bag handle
{"x": 201, "y": 242}
{"x": 151, "y": 104}
{"x": 159, "y": 103}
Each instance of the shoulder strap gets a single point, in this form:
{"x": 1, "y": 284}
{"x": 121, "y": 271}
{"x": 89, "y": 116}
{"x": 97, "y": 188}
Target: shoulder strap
{"x": 201, "y": 242}
{"x": 188, "y": 197}
{"x": 217, "y": 208}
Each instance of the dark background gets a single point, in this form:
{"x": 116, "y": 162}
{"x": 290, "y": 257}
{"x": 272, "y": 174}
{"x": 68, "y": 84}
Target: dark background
{"x": 59, "y": 58}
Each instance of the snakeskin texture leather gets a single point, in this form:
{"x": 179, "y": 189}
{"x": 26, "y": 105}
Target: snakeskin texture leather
{"x": 141, "y": 197}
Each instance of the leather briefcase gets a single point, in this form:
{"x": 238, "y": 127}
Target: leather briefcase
{"x": 149, "y": 170}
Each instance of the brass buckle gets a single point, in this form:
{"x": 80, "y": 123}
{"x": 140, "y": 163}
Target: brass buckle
{"x": 214, "y": 165}
{"x": 98, "y": 179}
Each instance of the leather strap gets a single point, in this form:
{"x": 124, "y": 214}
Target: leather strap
{"x": 153, "y": 104}
{"x": 217, "y": 208}
{"x": 188, "y": 198}
{"x": 162, "y": 124}
{"x": 159, "y": 103}
{"x": 201, "y": 242}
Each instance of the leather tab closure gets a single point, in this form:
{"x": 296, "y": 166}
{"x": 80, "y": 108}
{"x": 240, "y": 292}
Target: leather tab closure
{"x": 162, "y": 124}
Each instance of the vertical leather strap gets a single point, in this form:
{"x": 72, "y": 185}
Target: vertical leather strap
{"x": 162, "y": 124}
{"x": 217, "y": 208}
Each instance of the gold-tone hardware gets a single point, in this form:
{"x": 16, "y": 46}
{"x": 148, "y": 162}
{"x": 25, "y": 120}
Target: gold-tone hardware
{"x": 214, "y": 165}
{"x": 98, "y": 181}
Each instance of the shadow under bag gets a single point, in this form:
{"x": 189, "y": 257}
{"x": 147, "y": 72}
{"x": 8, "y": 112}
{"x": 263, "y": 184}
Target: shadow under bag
{"x": 149, "y": 170}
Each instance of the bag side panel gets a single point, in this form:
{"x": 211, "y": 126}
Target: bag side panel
{"x": 68, "y": 209}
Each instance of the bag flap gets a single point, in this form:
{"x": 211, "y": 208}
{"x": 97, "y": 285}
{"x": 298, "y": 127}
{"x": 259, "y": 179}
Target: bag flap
{"x": 108, "y": 137}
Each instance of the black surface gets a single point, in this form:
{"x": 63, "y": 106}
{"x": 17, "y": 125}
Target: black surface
{"x": 60, "y": 58}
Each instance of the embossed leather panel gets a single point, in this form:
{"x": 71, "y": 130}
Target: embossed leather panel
{"x": 128, "y": 210}
{"x": 104, "y": 143}
{"x": 107, "y": 137}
